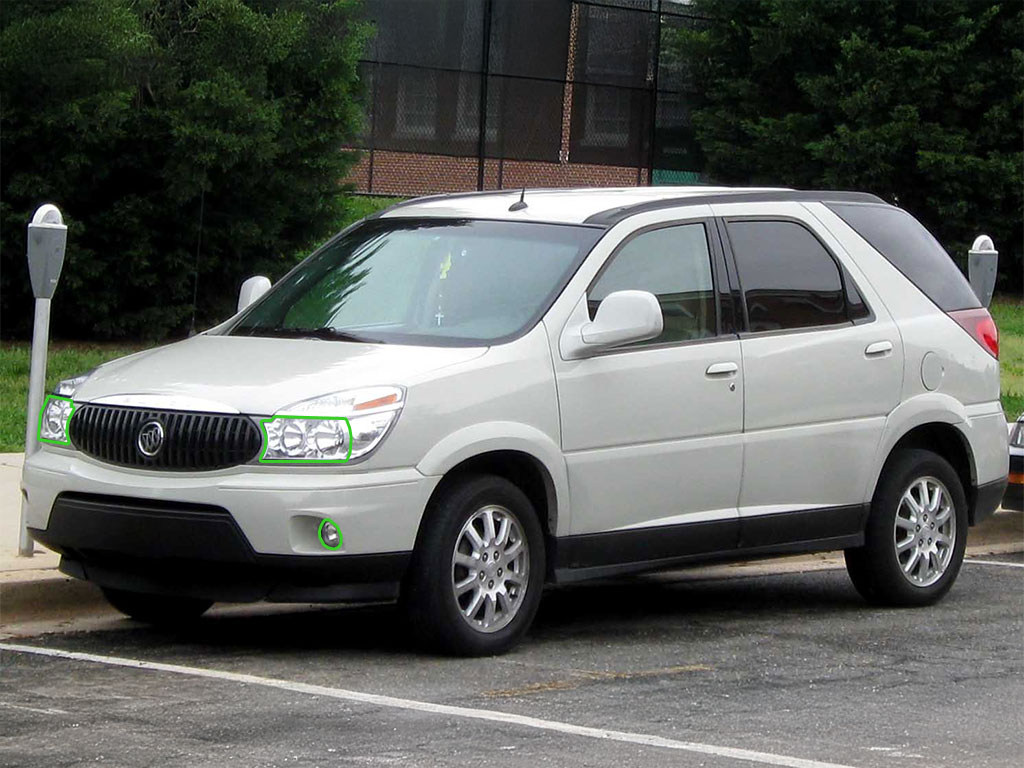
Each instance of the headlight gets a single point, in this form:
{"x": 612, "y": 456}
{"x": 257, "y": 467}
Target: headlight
{"x": 57, "y": 410}
{"x": 333, "y": 428}
{"x": 53, "y": 421}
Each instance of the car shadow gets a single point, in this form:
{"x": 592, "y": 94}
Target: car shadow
{"x": 625, "y": 607}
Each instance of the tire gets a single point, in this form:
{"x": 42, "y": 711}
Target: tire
{"x": 456, "y": 598}
{"x": 895, "y": 568}
{"x": 162, "y": 610}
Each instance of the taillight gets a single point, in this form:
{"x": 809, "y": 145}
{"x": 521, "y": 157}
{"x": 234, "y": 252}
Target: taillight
{"x": 979, "y": 325}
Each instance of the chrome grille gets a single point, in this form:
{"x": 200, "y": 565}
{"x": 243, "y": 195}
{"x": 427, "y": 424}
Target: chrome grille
{"x": 191, "y": 441}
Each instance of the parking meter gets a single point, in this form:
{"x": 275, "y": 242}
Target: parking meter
{"x": 47, "y": 239}
{"x": 982, "y": 263}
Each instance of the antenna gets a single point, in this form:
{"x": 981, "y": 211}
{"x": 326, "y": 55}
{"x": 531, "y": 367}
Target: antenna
{"x": 520, "y": 204}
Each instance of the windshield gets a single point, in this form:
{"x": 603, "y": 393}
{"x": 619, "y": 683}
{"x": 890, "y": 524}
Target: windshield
{"x": 439, "y": 282}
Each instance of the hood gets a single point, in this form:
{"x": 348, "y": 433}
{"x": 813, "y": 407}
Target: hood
{"x": 260, "y": 376}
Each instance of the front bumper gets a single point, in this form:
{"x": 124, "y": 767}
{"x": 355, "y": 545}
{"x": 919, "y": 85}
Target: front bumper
{"x": 1014, "y": 496}
{"x": 247, "y": 533}
{"x": 199, "y": 551}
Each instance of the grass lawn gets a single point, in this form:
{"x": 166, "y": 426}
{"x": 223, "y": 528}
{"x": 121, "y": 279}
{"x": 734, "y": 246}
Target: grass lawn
{"x": 1009, "y": 316}
{"x": 67, "y": 359}
{"x": 64, "y": 361}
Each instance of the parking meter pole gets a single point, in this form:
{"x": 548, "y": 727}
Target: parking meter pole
{"x": 36, "y": 384}
{"x": 47, "y": 238}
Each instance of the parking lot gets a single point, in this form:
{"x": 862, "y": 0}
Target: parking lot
{"x": 719, "y": 667}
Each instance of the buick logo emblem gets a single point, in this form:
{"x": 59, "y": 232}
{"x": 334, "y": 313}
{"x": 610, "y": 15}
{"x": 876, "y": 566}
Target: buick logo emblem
{"x": 150, "y": 439}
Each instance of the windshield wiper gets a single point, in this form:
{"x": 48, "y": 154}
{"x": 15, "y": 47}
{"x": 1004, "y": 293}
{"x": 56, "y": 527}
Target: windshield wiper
{"x": 325, "y": 332}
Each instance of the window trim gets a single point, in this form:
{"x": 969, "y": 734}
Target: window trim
{"x": 717, "y": 260}
{"x": 844, "y": 275}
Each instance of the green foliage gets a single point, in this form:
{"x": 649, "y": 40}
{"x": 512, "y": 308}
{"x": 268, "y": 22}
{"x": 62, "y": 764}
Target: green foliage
{"x": 917, "y": 101}
{"x": 167, "y": 128}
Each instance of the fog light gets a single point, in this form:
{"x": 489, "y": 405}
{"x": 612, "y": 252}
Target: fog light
{"x": 330, "y": 536}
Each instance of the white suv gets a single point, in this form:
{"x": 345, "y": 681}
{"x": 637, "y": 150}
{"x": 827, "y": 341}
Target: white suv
{"x": 467, "y": 397}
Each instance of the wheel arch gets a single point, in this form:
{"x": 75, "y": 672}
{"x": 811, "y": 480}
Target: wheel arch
{"x": 946, "y": 440}
{"x": 520, "y": 453}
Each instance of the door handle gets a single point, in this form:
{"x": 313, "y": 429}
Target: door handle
{"x": 878, "y": 348}
{"x": 721, "y": 369}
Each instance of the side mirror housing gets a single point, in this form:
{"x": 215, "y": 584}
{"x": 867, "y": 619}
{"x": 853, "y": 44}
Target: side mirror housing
{"x": 623, "y": 317}
{"x": 251, "y": 290}
{"x": 982, "y": 264}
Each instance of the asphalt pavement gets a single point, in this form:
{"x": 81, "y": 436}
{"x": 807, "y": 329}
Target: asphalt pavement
{"x": 768, "y": 663}
{"x": 723, "y": 668}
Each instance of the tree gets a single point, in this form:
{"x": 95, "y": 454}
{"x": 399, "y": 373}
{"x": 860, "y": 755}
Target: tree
{"x": 919, "y": 102}
{"x": 190, "y": 143}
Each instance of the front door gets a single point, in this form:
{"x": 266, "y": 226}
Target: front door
{"x": 652, "y": 432}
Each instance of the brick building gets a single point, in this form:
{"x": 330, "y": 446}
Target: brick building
{"x": 576, "y": 93}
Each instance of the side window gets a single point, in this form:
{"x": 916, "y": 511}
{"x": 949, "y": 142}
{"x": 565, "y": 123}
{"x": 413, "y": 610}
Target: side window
{"x": 674, "y": 264}
{"x": 910, "y": 248}
{"x": 788, "y": 278}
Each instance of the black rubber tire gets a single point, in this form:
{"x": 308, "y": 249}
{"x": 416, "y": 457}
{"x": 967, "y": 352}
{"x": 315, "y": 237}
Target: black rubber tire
{"x": 426, "y": 594}
{"x": 874, "y": 568}
{"x": 161, "y": 610}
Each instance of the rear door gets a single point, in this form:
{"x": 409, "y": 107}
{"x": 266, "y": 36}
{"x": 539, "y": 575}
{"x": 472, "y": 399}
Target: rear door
{"x": 823, "y": 366}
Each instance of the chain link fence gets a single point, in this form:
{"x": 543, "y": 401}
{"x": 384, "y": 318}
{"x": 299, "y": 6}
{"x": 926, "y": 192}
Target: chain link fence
{"x": 535, "y": 83}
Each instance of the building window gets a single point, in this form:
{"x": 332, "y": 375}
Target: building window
{"x": 416, "y": 108}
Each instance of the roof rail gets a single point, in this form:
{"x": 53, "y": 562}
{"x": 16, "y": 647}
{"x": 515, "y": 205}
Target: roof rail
{"x": 615, "y": 215}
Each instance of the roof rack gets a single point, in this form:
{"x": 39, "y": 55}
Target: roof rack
{"x": 615, "y": 215}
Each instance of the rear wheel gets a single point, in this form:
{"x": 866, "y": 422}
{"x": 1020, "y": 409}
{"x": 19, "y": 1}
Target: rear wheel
{"x": 478, "y": 570}
{"x": 156, "y": 609}
{"x": 916, "y": 533}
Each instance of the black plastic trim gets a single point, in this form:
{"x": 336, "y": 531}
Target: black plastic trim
{"x": 613, "y": 216}
{"x": 812, "y": 524}
{"x": 599, "y": 555}
{"x": 200, "y": 551}
{"x": 572, "y": 575}
{"x": 987, "y": 499}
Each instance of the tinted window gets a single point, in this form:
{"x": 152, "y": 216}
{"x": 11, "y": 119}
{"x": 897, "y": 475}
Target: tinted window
{"x": 431, "y": 282}
{"x": 788, "y": 278}
{"x": 910, "y": 248}
{"x": 675, "y": 265}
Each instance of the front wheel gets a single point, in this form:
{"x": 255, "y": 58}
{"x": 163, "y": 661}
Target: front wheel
{"x": 162, "y": 610}
{"x": 478, "y": 569}
{"x": 916, "y": 533}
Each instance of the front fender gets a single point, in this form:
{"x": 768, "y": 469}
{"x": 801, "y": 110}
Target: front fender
{"x": 504, "y": 436}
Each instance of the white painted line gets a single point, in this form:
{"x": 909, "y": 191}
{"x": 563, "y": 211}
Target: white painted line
{"x": 37, "y": 710}
{"x": 993, "y": 562}
{"x": 392, "y": 702}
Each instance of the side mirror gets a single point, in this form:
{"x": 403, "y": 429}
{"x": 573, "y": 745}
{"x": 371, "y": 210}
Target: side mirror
{"x": 982, "y": 263}
{"x": 251, "y": 290}
{"x": 623, "y": 317}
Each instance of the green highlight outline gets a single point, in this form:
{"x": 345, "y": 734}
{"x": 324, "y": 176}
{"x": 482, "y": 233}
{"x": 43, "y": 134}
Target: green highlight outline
{"x": 67, "y": 433}
{"x": 320, "y": 534}
{"x": 266, "y": 441}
